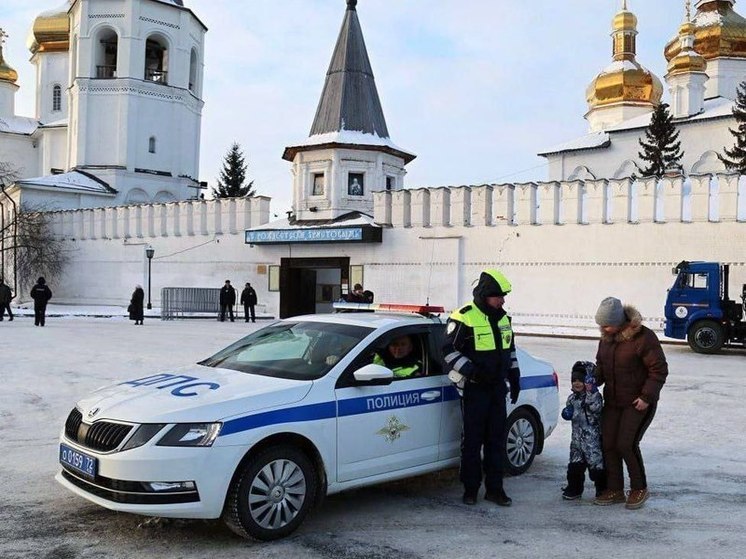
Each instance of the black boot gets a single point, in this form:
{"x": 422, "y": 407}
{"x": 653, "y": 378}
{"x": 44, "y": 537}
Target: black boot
{"x": 575, "y": 481}
{"x": 498, "y": 497}
{"x": 599, "y": 479}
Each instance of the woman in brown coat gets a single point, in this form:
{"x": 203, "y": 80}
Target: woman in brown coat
{"x": 632, "y": 367}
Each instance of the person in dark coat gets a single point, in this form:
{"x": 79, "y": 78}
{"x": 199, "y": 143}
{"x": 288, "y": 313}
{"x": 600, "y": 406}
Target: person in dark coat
{"x": 136, "y": 308}
{"x": 227, "y": 300}
{"x": 6, "y": 296}
{"x": 41, "y": 294}
{"x": 248, "y": 300}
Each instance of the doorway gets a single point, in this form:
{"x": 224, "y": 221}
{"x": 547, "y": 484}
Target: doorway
{"x": 311, "y": 285}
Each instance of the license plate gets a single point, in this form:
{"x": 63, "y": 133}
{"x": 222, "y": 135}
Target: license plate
{"x": 78, "y": 461}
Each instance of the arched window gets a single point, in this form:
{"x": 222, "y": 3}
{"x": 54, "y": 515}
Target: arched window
{"x": 193, "y": 71}
{"x": 156, "y": 60}
{"x": 56, "y": 98}
{"x": 151, "y": 144}
{"x": 107, "y": 50}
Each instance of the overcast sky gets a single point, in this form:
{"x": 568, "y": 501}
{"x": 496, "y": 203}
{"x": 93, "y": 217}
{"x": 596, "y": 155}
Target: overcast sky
{"x": 475, "y": 88}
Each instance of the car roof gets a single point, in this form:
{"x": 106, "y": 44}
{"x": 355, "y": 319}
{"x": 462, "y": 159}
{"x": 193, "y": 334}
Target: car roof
{"x": 369, "y": 319}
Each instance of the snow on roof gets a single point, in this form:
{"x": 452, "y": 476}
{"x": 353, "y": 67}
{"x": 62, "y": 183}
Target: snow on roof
{"x": 718, "y": 107}
{"x": 56, "y": 123}
{"x": 18, "y": 125}
{"x": 349, "y": 137}
{"x": 73, "y": 181}
{"x": 589, "y": 141}
{"x": 353, "y": 219}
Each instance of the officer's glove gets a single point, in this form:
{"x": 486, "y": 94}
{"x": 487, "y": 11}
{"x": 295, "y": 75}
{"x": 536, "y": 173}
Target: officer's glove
{"x": 515, "y": 390}
{"x": 590, "y": 384}
{"x": 567, "y": 412}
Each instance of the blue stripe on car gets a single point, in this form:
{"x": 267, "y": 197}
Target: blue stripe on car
{"x": 358, "y": 406}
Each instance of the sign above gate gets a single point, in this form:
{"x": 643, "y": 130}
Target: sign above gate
{"x": 363, "y": 234}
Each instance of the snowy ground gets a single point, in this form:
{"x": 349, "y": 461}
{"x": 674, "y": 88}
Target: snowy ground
{"x": 694, "y": 451}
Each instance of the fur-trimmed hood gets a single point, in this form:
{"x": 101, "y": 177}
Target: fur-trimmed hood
{"x": 630, "y": 328}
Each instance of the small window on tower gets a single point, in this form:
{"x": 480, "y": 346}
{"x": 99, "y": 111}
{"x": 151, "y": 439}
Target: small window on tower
{"x": 56, "y": 98}
{"x": 151, "y": 144}
{"x": 390, "y": 183}
{"x": 318, "y": 184}
{"x": 355, "y": 184}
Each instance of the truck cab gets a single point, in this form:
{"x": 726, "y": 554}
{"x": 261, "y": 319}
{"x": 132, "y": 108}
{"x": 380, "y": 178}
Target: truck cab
{"x": 699, "y": 309}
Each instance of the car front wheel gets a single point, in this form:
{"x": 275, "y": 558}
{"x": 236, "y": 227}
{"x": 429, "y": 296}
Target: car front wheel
{"x": 521, "y": 442}
{"x": 271, "y": 494}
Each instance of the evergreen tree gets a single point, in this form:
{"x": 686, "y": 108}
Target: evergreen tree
{"x": 660, "y": 148}
{"x": 735, "y": 158}
{"x": 233, "y": 176}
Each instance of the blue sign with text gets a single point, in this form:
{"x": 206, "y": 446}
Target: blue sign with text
{"x": 327, "y": 235}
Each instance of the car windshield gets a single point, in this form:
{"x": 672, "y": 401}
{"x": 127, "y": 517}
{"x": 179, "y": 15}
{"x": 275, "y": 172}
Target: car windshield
{"x": 291, "y": 350}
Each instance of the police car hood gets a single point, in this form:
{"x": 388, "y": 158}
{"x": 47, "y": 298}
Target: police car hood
{"x": 190, "y": 395}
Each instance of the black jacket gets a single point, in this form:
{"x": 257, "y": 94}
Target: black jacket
{"x": 6, "y": 295}
{"x": 227, "y": 295}
{"x": 483, "y": 367}
{"x": 248, "y": 296}
{"x": 41, "y": 294}
{"x": 136, "y": 304}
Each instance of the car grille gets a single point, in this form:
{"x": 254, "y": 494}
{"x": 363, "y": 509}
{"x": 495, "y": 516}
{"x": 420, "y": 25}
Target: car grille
{"x": 103, "y": 436}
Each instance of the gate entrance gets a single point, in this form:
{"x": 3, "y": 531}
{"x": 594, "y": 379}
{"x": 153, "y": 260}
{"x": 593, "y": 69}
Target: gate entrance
{"x": 311, "y": 285}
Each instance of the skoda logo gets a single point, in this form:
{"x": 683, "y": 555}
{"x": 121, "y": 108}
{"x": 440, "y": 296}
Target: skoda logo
{"x": 93, "y": 412}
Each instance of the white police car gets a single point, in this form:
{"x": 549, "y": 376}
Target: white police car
{"x": 265, "y": 428}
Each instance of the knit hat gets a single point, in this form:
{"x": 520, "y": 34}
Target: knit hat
{"x": 581, "y": 370}
{"x": 610, "y": 313}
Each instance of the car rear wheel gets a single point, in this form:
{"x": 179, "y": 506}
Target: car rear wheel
{"x": 521, "y": 442}
{"x": 272, "y": 493}
{"x": 706, "y": 337}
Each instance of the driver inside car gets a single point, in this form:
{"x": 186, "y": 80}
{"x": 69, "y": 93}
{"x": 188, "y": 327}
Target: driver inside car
{"x": 400, "y": 356}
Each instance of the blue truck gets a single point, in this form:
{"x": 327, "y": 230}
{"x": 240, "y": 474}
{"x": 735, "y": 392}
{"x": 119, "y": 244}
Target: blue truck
{"x": 699, "y": 310}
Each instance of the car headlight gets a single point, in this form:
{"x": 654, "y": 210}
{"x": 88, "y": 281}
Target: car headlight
{"x": 191, "y": 434}
{"x": 143, "y": 434}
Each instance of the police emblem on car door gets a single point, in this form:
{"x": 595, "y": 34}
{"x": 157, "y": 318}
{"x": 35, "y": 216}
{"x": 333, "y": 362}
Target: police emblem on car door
{"x": 384, "y": 428}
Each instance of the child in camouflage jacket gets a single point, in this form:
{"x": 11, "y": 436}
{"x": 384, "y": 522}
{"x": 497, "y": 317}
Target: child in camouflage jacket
{"x": 583, "y": 408}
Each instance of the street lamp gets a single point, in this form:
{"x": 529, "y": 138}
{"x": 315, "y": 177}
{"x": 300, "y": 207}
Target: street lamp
{"x": 149, "y": 252}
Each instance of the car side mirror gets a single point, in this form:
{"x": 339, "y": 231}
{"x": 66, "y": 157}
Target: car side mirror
{"x": 374, "y": 375}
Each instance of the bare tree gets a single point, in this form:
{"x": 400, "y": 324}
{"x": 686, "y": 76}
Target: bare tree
{"x": 28, "y": 245}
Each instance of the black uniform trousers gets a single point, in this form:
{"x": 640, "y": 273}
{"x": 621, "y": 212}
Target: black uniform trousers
{"x": 223, "y": 308}
{"x": 484, "y": 410}
{"x": 40, "y": 312}
{"x": 248, "y": 310}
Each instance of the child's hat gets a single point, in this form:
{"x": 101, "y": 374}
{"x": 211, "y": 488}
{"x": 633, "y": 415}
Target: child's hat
{"x": 582, "y": 369}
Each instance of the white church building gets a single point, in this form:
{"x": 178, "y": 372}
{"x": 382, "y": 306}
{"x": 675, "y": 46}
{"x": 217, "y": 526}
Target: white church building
{"x": 706, "y": 63}
{"x": 118, "y": 106}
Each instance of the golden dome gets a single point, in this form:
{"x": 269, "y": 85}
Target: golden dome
{"x": 7, "y": 74}
{"x": 624, "y": 81}
{"x": 718, "y": 31}
{"x": 687, "y": 60}
{"x": 51, "y": 31}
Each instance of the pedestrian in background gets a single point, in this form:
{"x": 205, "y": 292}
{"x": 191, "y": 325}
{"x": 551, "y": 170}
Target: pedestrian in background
{"x": 227, "y": 300}
{"x": 480, "y": 351}
{"x": 632, "y": 367}
{"x": 6, "y": 296}
{"x": 41, "y": 294}
{"x": 136, "y": 308}
{"x": 248, "y": 300}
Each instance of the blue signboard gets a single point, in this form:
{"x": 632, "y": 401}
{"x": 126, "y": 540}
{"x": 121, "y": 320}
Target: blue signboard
{"x": 320, "y": 235}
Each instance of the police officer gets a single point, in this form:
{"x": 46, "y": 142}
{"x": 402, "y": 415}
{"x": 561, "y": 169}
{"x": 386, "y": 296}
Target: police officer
{"x": 480, "y": 347}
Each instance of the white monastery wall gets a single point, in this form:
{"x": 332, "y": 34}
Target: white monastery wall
{"x": 564, "y": 246}
{"x": 197, "y": 244}
{"x": 21, "y": 151}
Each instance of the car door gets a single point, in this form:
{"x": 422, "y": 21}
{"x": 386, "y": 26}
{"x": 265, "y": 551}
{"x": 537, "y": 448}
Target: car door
{"x": 382, "y": 429}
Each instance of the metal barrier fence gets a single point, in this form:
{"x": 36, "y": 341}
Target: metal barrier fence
{"x": 175, "y": 301}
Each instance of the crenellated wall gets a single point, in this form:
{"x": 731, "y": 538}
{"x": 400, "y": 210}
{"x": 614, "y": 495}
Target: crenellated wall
{"x": 564, "y": 245}
{"x": 697, "y": 198}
